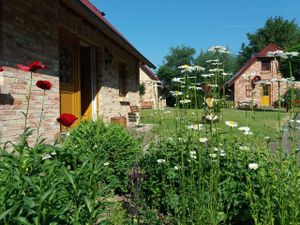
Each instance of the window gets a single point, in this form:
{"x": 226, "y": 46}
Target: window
{"x": 65, "y": 65}
{"x": 265, "y": 65}
{"x": 265, "y": 90}
{"x": 248, "y": 90}
{"x": 122, "y": 80}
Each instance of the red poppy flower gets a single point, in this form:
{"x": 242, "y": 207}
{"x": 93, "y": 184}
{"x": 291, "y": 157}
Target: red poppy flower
{"x": 44, "y": 84}
{"x": 1, "y": 69}
{"x": 66, "y": 119}
{"x": 32, "y": 67}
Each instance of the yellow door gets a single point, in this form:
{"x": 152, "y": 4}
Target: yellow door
{"x": 265, "y": 97}
{"x": 68, "y": 78}
{"x": 86, "y": 83}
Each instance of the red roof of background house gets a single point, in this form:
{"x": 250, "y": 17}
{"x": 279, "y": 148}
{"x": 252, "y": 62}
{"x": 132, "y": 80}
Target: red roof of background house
{"x": 261, "y": 54}
{"x": 98, "y": 13}
{"x": 149, "y": 72}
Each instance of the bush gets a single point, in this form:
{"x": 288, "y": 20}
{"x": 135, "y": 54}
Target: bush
{"x": 112, "y": 144}
{"x": 36, "y": 187}
{"x": 227, "y": 192}
{"x": 287, "y": 97}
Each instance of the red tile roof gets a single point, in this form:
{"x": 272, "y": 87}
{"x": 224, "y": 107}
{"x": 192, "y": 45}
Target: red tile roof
{"x": 261, "y": 54}
{"x": 149, "y": 72}
{"x": 269, "y": 48}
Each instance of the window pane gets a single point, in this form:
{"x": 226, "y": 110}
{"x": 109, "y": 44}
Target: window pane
{"x": 265, "y": 65}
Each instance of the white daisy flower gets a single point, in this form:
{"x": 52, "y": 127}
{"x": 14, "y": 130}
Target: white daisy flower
{"x": 176, "y": 167}
{"x": 184, "y": 101}
{"x": 244, "y": 148}
{"x": 211, "y": 117}
{"x": 160, "y": 161}
{"x": 245, "y": 129}
{"x": 231, "y": 124}
{"x": 253, "y": 166}
{"x": 203, "y": 140}
{"x": 213, "y": 155}
{"x": 195, "y": 127}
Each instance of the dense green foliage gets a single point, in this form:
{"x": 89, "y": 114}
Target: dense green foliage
{"x": 37, "y": 187}
{"x": 111, "y": 144}
{"x": 229, "y": 61}
{"x": 277, "y": 30}
{"x": 212, "y": 183}
{"x": 295, "y": 63}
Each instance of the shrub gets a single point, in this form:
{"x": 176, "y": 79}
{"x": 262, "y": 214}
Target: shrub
{"x": 37, "y": 188}
{"x": 227, "y": 192}
{"x": 287, "y": 97}
{"x": 112, "y": 144}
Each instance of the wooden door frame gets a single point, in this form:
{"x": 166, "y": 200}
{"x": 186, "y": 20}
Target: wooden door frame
{"x": 70, "y": 39}
{"x": 66, "y": 36}
{"x": 269, "y": 93}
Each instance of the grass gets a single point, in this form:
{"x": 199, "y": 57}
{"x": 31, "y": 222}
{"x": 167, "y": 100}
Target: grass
{"x": 262, "y": 123}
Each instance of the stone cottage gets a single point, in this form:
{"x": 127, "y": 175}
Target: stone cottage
{"x": 153, "y": 96}
{"x": 93, "y": 68}
{"x": 256, "y": 82}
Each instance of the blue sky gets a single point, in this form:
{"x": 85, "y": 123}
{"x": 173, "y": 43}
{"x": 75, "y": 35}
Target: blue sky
{"x": 153, "y": 26}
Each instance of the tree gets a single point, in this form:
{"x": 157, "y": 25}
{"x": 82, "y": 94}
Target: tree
{"x": 277, "y": 30}
{"x": 229, "y": 60}
{"x": 177, "y": 56}
{"x": 295, "y": 63}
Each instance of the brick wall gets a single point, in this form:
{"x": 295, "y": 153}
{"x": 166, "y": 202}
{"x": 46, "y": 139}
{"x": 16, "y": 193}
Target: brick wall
{"x": 31, "y": 32}
{"x": 240, "y": 84}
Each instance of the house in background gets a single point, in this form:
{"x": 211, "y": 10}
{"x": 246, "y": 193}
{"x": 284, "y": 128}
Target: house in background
{"x": 93, "y": 68}
{"x": 257, "y": 80}
{"x": 153, "y": 96}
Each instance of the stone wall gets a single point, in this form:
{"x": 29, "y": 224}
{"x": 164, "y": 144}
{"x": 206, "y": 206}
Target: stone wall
{"x": 151, "y": 91}
{"x": 31, "y": 32}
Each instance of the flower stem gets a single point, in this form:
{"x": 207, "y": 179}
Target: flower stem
{"x": 28, "y": 101}
{"x": 41, "y": 118}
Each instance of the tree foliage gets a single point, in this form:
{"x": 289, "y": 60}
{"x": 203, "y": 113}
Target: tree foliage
{"x": 176, "y": 57}
{"x": 229, "y": 60}
{"x": 277, "y": 30}
{"x": 295, "y": 63}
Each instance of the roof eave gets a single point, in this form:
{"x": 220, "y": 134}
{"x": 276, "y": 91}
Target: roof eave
{"x": 83, "y": 10}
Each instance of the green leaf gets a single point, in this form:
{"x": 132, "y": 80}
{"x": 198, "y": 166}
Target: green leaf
{"x": 29, "y": 202}
{"x": 23, "y": 220}
{"x": 3, "y": 215}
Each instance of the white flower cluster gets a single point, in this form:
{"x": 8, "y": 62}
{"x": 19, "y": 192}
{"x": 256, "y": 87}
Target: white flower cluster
{"x": 203, "y": 140}
{"x": 187, "y": 68}
{"x": 184, "y": 101}
{"x": 253, "y": 166}
{"x": 211, "y": 117}
{"x": 282, "y": 54}
{"x": 193, "y": 154}
{"x": 216, "y": 70}
{"x": 176, "y": 93}
{"x": 196, "y": 127}
{"x": 212, "y": 61}
{"x": 246, "y": 130}
{"x": 219, "y": 48}
{"x": 207, "y": 75}
{"x": 161, "y": 161}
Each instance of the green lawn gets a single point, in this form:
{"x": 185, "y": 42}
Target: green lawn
{"x": 262, "y": 123}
